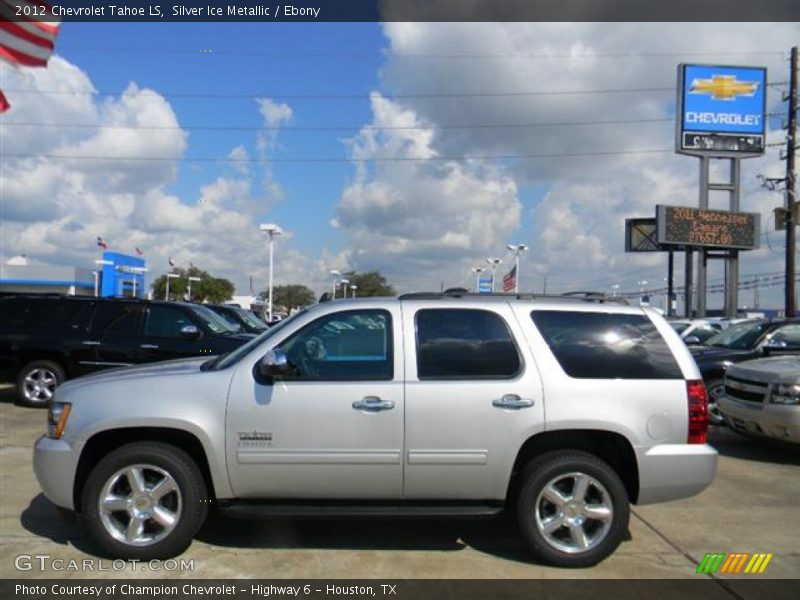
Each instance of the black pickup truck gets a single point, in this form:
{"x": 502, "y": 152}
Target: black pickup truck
{"x": 46, "y": 339}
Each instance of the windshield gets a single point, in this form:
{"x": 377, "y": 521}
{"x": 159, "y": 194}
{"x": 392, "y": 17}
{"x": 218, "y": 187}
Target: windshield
{"x": 215, "y": 323}
{"x": 679, "y": 326}
{"x": 739, "y": 337}
{"x": 226, "y": 360}
{"x": 249, "y": 318}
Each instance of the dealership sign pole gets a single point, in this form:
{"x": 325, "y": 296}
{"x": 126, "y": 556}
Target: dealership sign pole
{"x": 721, "y": 115}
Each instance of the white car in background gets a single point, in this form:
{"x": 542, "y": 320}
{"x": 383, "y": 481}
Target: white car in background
{"x": 696, "y": 331}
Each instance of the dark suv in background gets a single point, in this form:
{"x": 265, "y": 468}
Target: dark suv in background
{"x": 242, "y": 319}
{"x": 743, "y": 341}
{"x": 47, "y": 339}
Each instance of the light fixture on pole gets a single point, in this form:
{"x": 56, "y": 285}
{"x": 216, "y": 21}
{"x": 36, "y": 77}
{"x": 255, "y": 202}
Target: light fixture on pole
{"x": 641, "y": 285}
{"x": 272, "y": 229}
{"x": 517, "y": 249}
{"x": 137, "y": 271}
{"x": 100, "y": 263}
{"x": 191, "y": 279}
{"x": 353, "y": 289}
{"x": 170, "y": 276}
{"x": 614, "y": 287}
{"x": 335, "y": 275}
{"x": 344, "y": 283}
{"x": 494, "y": 262}
{"x": 478, "y": 271}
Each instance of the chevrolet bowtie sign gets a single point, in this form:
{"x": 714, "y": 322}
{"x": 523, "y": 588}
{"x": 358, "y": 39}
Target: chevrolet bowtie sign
{"x": 721, "y": 110}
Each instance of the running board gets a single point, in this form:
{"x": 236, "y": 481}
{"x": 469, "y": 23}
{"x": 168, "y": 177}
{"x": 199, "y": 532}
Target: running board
{"x": 261, "y": 510}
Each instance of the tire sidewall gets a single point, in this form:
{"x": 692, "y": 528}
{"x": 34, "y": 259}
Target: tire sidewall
{"x": 190, "y": 483}
{"x": 50, "y": 365}
{"x": 714, "y": 419}
{"x": 538, "y": 474}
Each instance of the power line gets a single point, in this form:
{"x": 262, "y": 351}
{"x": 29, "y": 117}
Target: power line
{"x": 331, "y": 127}
{"x": 336, "y": 159}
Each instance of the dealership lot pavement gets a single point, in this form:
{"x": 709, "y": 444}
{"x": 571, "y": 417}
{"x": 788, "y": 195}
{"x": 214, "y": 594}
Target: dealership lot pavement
{"x": 751, "y": 507}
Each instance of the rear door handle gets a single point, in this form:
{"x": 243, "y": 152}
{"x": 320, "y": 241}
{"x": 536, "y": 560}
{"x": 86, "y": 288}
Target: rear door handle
{"x": 149, "y": 346}
{"x": 90, "y": 343}
{"x": 373, "y": 404}
{"x": 512, "y": 401}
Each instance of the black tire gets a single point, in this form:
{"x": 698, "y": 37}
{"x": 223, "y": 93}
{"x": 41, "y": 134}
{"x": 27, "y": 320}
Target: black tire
{"x": 38, "y": 373}
{"x": 193, "y": 502}
{"x": 713, "y": 387}
{"x": 603, "y": 536}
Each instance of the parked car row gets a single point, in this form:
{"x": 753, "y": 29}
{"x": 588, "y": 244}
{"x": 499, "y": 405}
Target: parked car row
{"x": 45, "y": 340}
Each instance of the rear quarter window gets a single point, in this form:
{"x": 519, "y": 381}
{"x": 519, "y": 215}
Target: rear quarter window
{"x": 591, "y": 345}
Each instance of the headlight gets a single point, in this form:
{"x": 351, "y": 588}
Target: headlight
{"x": 57, "y": 416}
{"x": 785, "y": 394}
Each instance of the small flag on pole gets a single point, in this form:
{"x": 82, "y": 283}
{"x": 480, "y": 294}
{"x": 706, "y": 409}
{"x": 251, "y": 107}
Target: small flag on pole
{"x": 138, "y": 252}
{"x": 171, "y": 262}
{"x": 510, "y": 280}
{"x": 102, "y": 243}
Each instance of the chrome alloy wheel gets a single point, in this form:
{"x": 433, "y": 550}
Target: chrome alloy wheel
{"x": 714, "y": 415}
{"x": 39, "y": 385}
{"x": 574, "y": 512}
{"x": 140, "y": 505}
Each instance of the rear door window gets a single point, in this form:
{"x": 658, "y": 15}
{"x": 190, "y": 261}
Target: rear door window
{"x": 591, "y": 345}
{"x": 115, "y": 318}
{"x": 464, "y": 344}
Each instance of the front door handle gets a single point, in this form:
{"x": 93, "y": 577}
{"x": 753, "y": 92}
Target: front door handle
{"x": 512, "y": 401}
{"x": 373, "y": 404}
{"x": 149, "y": 346}
{"x": 90, "y": 343}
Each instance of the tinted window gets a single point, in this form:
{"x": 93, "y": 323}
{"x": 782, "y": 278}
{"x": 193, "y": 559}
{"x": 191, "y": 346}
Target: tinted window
{"x": 743, "y": 336}
{"x": 704, "y": 332}
{"x": 118, "y": 318}
{"x": 606, "y": 346}
{"x": 464, "y": 344}
{"x": 790, "y": 334}
{"x": 42, "y": 313}
{"x": 166, "y": 321}
{"x": 346, "y": 346}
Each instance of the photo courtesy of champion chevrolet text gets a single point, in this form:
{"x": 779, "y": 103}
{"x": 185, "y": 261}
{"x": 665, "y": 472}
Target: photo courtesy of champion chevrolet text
{"x": 411, "y": 299}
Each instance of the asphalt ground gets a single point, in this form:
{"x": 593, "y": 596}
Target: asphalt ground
{"x": 752, "y": 506}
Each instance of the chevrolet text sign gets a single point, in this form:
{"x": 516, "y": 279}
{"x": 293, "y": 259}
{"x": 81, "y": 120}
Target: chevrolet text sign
{"x": 721, "y": 110}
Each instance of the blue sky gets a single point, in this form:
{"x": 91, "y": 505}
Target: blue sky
{"x": 423, "y": 223}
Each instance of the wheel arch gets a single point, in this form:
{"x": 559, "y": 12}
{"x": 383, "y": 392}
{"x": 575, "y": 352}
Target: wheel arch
{"x": 103, "y": 442}
{"x": 611, "y": 447}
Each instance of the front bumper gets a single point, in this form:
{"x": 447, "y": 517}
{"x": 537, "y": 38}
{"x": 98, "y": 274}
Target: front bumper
{"x": 775, "y": 421}
{"x": 55, "y": 463}
{"x": 675, "y": 471}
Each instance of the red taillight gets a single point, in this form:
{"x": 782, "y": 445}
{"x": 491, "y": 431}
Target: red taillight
{"x": 698, "y": 412}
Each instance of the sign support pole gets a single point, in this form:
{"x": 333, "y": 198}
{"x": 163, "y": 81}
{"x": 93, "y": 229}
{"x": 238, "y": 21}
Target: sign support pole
{"x": 687, "y": 286}
{"x": 670, "y": 283}
{"x": 705, "y": 168}
{"x": 732, "y": 264}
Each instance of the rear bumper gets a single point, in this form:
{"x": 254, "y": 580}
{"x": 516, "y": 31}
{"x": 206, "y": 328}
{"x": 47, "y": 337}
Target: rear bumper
{"x": 675, "y": 471}
{"x": 775, "y": 421}
{"x": 55, "y": 463}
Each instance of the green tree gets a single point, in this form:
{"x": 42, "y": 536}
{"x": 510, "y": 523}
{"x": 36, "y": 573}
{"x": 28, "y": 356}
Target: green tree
{"x": 371, "y": 283}
{"x": 290, "y": 296}
{"x": 210, "y": 289}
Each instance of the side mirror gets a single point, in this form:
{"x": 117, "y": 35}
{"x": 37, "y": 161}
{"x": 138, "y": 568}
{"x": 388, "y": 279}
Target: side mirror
{"x": 692, "y": 341}
{"x": 191, "y": 332}
{"x": 273, "y": 364}
{"x": 774, "y": 345}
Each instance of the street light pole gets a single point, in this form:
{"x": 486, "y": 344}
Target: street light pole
{"x": 335, "y": 275}
{"x": 494, "y": 262}
{"x": 169, "y": 276}
{"x": 478, "y": 271}
{"x": 191, "y": 279}
{"x": 344, "y": 283}
{"x": 353, "y": 289}
{"x": 517, "y": 249}
{"x": 272, "y": 229}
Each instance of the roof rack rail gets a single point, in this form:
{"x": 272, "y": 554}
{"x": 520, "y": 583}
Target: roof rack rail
{"x": 581, "y": 296}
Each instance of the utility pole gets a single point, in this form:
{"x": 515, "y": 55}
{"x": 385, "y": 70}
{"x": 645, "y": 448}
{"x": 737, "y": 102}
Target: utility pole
{"x": 791, "y": 221}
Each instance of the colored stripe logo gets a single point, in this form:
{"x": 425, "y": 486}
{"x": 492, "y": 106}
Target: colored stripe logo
{"x": 736, "y": 562}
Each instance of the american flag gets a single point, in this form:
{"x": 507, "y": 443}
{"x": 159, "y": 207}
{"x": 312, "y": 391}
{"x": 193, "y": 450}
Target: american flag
{"x": 102, "y": 243}
{"x": 510, "y": 280}
{"x": 26, "y": 41}
{"x": 138, "y": 251}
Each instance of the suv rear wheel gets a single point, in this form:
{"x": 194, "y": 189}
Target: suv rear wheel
{"x": 37, "y": 382}
{"x": 572, "y": 508}
{"x": 144, "y": 501}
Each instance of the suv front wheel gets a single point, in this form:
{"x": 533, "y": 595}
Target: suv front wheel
{"x": 145, "y": 500}
{"x": 572, "y": 508}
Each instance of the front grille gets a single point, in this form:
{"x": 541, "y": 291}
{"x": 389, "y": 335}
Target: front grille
{"x": 745, "y": 389}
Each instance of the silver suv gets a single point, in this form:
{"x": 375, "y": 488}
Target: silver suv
{"x": 564, "y": 410}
